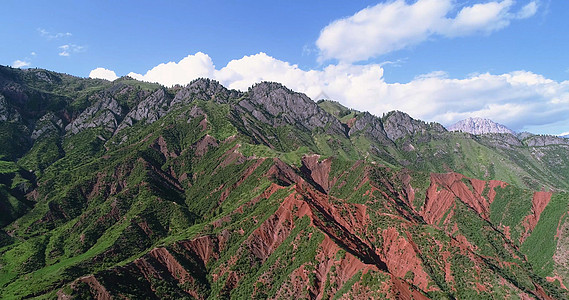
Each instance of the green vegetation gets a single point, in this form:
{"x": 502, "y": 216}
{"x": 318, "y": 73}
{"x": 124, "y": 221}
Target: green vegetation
{"x": 511, "y": 205}
{"x": 8, "y": 167}
{"x": 541, "y": 245}
{"x": 338, "y": 110}
{"x": 206, "y": 196}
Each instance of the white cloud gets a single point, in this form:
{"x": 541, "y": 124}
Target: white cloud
{"x": 184, "y": 71}
{"x": 521, "y": 100}
{"x": 242, "y": 73}
{"x": 395, "y": 25}
{"x": 51, "y": 36}
{"x": 485, "y": 18}
{"x": 20, "y": 63}
{"x": 103, "y": 73}
{"x": 528, "y": 10}
{"x": 66, "y": 50}
{"x": 517, "y": 99}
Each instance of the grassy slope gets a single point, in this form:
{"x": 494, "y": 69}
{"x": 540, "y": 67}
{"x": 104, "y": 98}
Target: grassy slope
{"x": 69, "y": 233}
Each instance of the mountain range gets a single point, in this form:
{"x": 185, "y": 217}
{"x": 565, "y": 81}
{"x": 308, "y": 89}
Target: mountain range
{"x": 129, "y": 189}
{"x": 479, "y": 126}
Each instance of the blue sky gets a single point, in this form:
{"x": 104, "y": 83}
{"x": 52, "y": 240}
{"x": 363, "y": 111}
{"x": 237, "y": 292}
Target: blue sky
{"x": 438, "y": 60}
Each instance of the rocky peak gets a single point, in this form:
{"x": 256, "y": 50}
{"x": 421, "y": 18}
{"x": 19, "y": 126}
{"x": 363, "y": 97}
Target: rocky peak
{"x": 204, "y": 89}
{"x": 479, "y": 126}
{"x": 274, "y": 104}
{"x": 398, "y": 124}
{"x": 370, "y": 126}
{"x": 44, "y": 76}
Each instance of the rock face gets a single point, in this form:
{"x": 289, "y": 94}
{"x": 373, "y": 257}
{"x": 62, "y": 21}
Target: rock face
{"x": 150, "y": 109}
{"x": 370, "y": 126}
{"x": 205, "y": 90}
{"x": 545, "y": 140}
{"x": 47, "y": 125}
{"x": 479, "y": 126}
{"x": 105, "y": 112}
{"x": 399, "y": 124}
{"x": 274, "y": 104}
{"x": 7, "y": 113}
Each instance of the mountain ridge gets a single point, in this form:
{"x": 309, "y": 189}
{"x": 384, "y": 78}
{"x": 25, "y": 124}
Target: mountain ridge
{"x": 475, "y": 125}
{"x": 130, "y": 189}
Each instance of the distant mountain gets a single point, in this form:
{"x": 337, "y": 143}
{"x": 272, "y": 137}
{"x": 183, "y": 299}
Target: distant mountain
{"x": 565, "y": 136}
{"x": 479, "y": 126}
{"x": 132, "y": 190}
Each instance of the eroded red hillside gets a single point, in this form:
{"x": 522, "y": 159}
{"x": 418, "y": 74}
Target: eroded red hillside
{"x": 538, "y": 204}
{"x": 445, "y": 189}
{"x": 379, "y": 239}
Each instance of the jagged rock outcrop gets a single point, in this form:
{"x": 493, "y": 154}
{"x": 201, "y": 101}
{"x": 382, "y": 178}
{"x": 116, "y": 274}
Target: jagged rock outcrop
{"x": 105, "y": 112}
{"x": 150, "y": 109}
{"x": 47, "y": 125}
{"x": 399, "y": 124}
{"x": 276, "y": 105}
{"x": 545, "y": 140}
{"x": 479, "y": 126}
{"x": 370, "y": 126}
{"x": 501, "y": 140}
{"x": 7, "y": 113}
{"x": 206, "y": 90}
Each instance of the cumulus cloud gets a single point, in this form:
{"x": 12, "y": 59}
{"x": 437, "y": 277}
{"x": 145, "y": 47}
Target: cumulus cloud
{"x": 242, "y": 73}
{"x": 20, "y": 63}
{"x": 395, "y": 25}
{"x": 103, "y": 73}
{"x": 521, "y": 100}
{"x": 66, "y": 50}
{"x": 518, "y": 99}
{"x": 184, "y": 71}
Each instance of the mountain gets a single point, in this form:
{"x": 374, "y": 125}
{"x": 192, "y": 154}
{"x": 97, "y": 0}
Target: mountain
{"x": 479, "y": 126}
{"x": 128, "y": 189}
